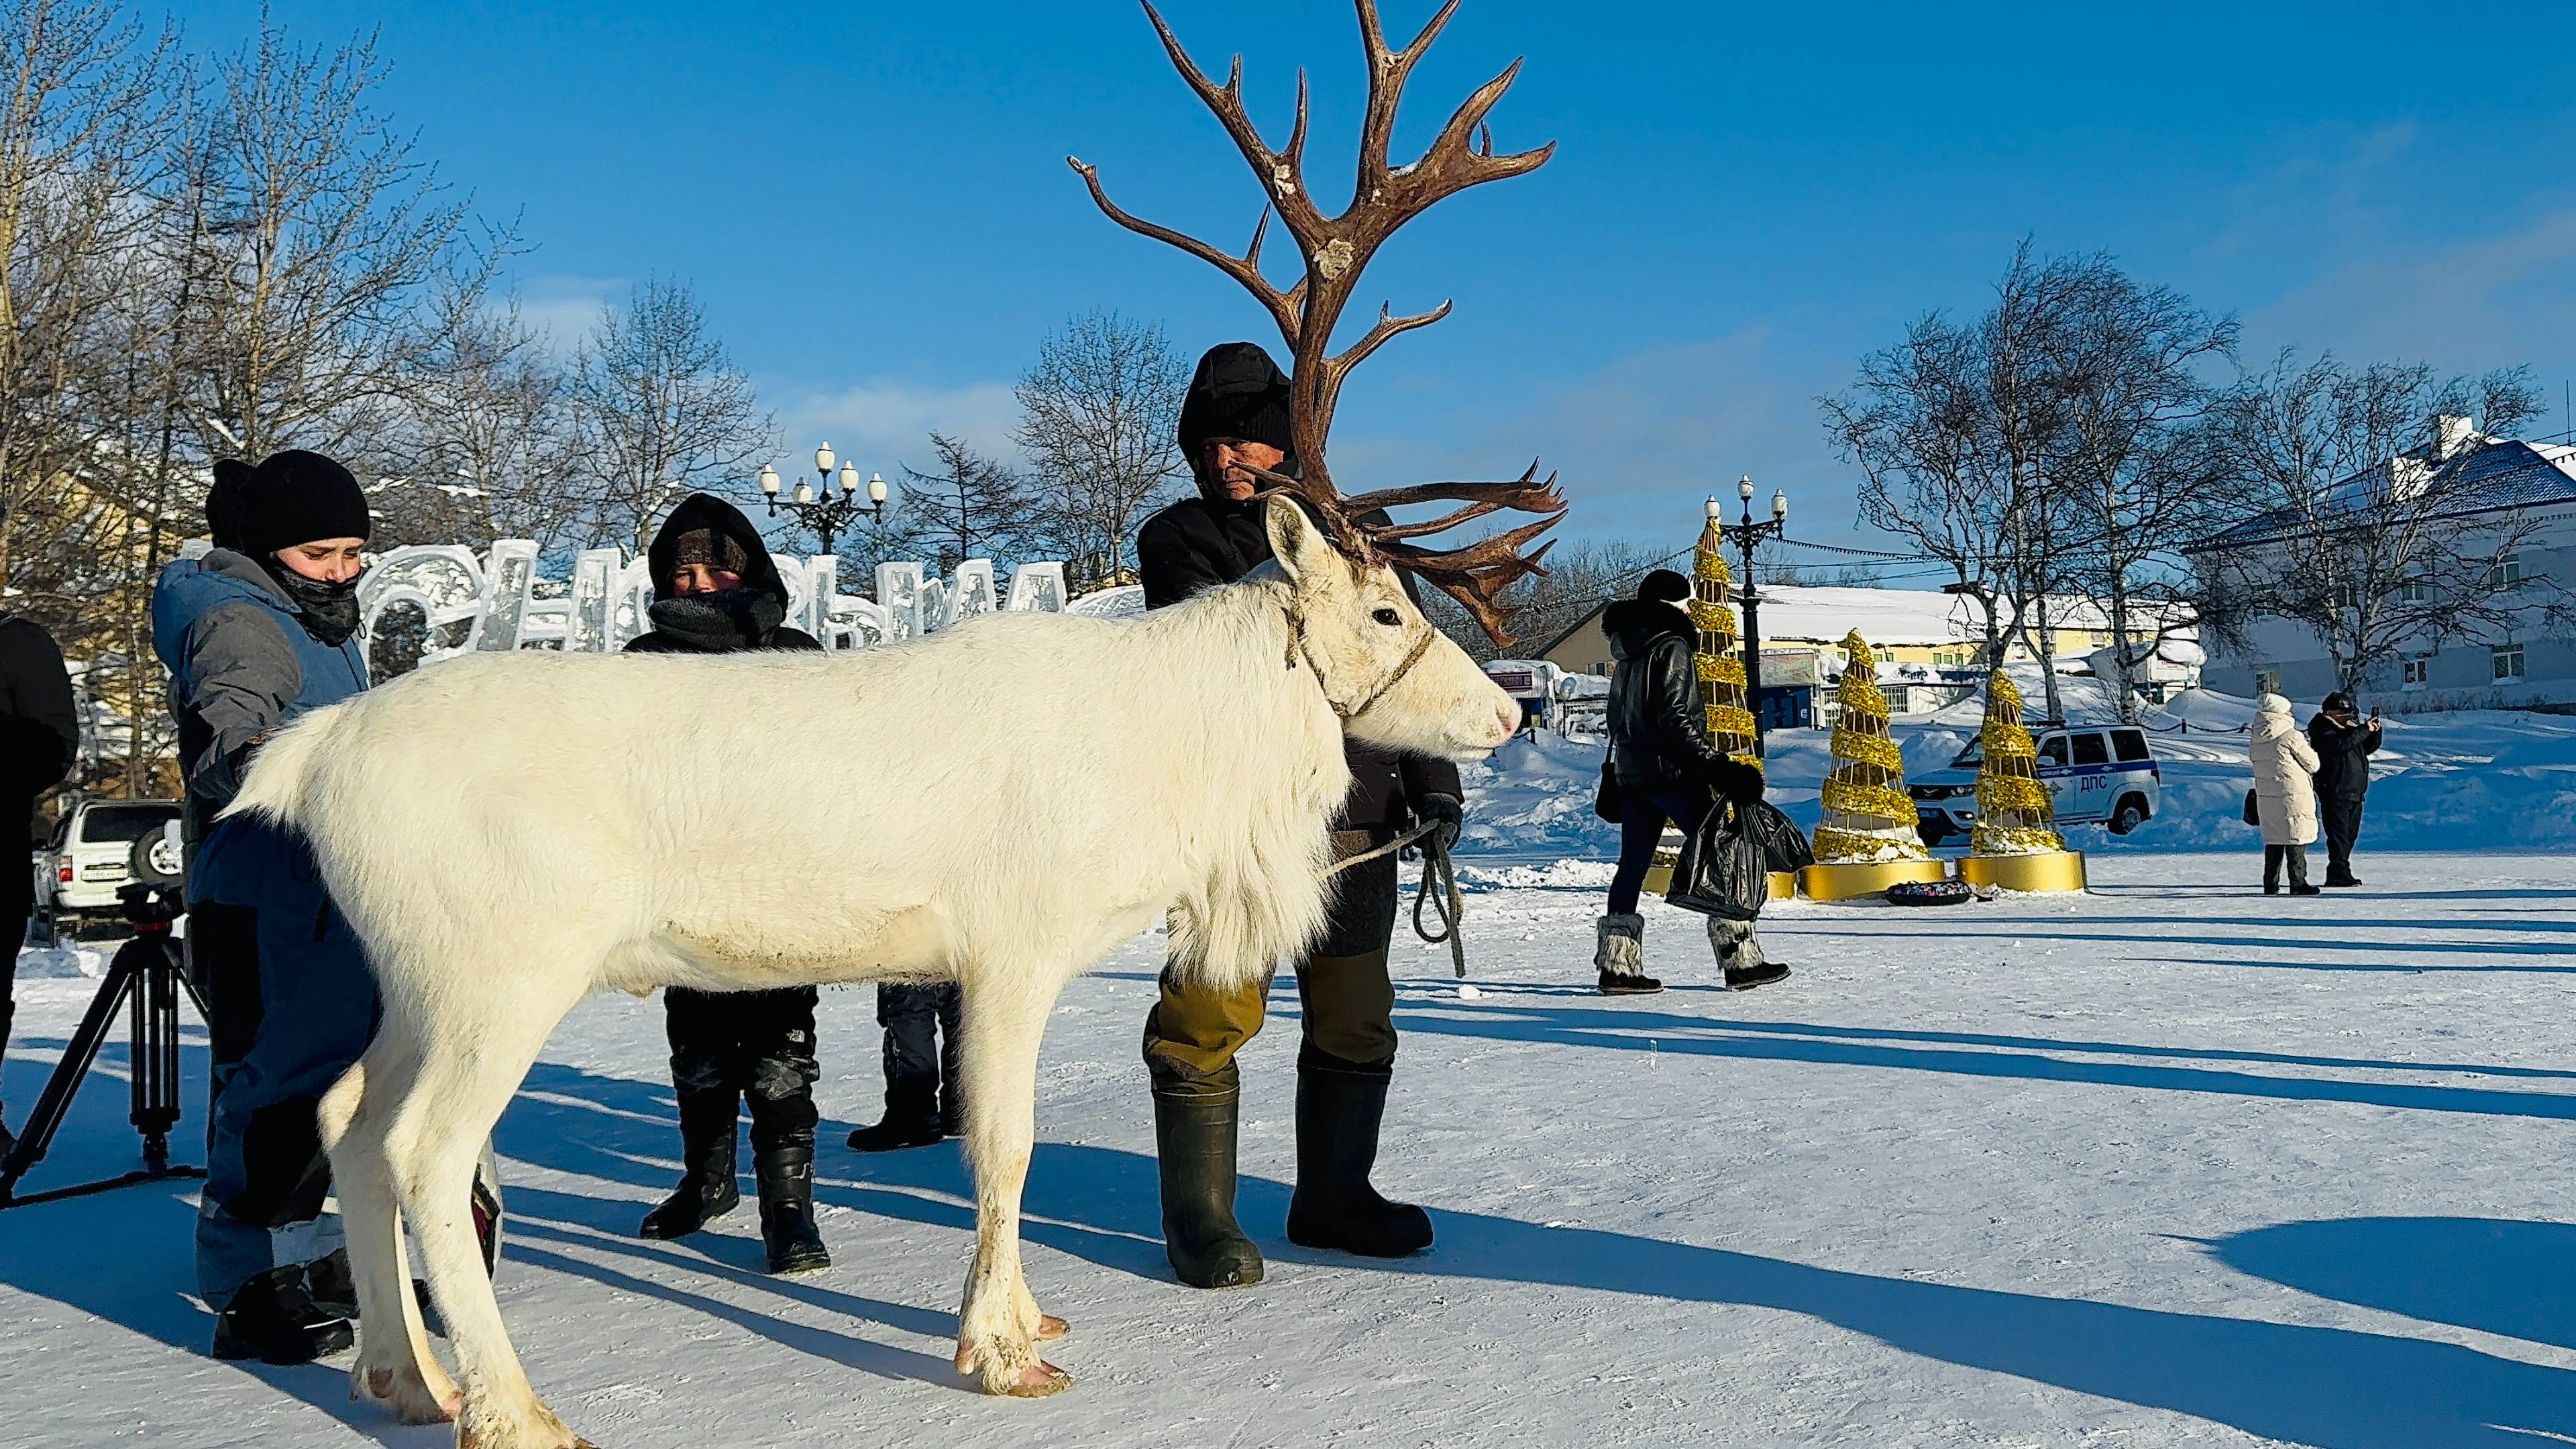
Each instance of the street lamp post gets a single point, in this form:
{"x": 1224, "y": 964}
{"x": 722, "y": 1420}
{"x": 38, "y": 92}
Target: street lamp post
{"x": 826, "y": 513}
{"x": 1745, "y": 535}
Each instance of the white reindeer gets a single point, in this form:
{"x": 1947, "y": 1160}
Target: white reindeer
{"x": 510, "y": 833}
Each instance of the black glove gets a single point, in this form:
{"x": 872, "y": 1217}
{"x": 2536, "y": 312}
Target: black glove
{"x": 1737, "y": 783}
{"x": 1447, "y": 812}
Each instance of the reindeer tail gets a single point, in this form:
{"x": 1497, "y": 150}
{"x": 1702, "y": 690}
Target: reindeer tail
{"x": 281, "y": 775}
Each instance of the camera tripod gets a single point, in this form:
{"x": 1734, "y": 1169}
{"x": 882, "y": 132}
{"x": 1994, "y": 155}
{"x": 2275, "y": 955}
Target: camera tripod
{"x": 146, "y": 979}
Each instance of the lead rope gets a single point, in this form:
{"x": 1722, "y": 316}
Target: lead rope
{"x": 1437, "y": 871}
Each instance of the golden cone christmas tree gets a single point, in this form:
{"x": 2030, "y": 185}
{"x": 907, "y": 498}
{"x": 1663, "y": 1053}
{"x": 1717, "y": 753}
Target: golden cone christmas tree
{"x": 1721, "y": 673}
{"x": 1868, "y": 816}
{"x": 2014, "y": 813}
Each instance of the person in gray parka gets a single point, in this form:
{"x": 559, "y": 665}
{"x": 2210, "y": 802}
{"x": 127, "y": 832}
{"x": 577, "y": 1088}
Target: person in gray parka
{"x": 256, "y": 632}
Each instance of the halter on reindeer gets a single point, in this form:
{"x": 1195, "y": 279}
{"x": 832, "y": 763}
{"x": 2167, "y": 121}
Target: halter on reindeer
{"x": 508, "y": 833}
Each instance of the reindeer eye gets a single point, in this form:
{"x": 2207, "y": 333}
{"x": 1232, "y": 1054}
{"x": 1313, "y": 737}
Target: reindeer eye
{"x": 1388, "y": 617}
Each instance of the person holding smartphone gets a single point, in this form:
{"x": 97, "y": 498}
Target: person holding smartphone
{"x": 2344, "y": 744}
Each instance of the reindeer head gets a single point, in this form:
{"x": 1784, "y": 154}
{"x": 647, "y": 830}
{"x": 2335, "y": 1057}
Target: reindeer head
{"x": 1336, "y": 249}
{"x": 1394, "y": 679}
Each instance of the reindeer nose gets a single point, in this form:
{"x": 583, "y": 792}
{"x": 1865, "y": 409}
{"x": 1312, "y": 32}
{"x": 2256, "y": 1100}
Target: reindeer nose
{"x": 1507, "y": 721}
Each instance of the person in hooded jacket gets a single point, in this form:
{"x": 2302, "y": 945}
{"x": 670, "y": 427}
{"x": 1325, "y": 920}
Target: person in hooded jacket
{"x": 2285, "y": 794}
{"x": 255, "y": 633}
{"x": 39, "y": 739}
{"x": 716, "y": 591}
{"x": 2344, "y": 743}
{"x": 1665, "y": 767}
{"x": 1236, "y": 414}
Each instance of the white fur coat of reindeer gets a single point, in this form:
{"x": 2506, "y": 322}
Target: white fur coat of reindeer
{"x": 508, "y": 834}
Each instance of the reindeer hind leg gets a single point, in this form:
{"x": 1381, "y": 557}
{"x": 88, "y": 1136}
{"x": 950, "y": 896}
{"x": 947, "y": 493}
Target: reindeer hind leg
{"x": 469, "y": 1066}
{"x": 395, "y": 1367}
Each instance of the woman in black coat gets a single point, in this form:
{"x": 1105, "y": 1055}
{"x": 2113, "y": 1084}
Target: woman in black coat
{"x": 716, "y": 591}
{"x": 1665, "y": 768}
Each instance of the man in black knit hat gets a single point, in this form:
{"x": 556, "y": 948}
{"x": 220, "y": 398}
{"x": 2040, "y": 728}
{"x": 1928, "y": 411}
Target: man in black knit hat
{"x": 1236, "y": 414}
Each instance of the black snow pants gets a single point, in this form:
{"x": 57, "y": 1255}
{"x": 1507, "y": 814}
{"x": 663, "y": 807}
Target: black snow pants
{"x": 757, "y": 1043}
{"x": 2341, "y": 821}
{"x": 920, "y": 1024}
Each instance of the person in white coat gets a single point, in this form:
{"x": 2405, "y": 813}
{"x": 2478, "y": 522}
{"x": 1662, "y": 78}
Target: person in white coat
{"x": 2285, "y": 794}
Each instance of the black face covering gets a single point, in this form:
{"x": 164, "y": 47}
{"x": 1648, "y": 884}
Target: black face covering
{"x": 330, "y": 610}
{"x": 725, "y": 620}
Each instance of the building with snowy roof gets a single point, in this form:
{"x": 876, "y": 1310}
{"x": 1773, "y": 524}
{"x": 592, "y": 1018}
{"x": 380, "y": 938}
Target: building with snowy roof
{"x": 1931, "y": 646}
{"x": 2503, "y": 489}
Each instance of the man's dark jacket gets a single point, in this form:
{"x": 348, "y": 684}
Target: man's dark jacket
{"x": 748, "y": 617}
{"x": 1208, "y": 541}
{"x": 1658, "y": 726}
{"x": 39, "y": 727}
{"x": 2343, "y": 756}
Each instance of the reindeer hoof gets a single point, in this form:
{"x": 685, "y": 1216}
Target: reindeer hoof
{"x": 407, "y": 1394}
{"x": 1039, "y": 1380}
{"x": 1050, "y": 1328}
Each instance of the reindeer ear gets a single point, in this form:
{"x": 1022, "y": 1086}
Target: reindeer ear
{"x": 1294, "y": 540}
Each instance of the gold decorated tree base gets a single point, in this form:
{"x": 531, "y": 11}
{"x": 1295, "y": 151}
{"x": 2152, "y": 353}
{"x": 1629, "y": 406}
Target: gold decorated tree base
{"x": 1852, "y": 880}
{"x": 2050, "y": 870}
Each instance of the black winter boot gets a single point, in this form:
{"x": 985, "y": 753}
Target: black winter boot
{"x": 273, "y": 1319}
{"x": 1338, "y": 1113}
{"x": 897, "y": 1132}
{"x": 786, "y": 1179}
{"x": 707, "y": 1189}
{"x": 1194, "y": 1148}
{"x": 334, "y": 1289}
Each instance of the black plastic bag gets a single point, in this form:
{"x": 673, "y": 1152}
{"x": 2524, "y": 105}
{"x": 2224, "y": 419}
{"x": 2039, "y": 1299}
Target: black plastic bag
{"x": 2252, "y": 815}
{"x": 1784, "y": 845}
{"x": 1723, "y": 871}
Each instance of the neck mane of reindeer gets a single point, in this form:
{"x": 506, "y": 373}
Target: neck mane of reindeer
{"x": 1336, "y": 249}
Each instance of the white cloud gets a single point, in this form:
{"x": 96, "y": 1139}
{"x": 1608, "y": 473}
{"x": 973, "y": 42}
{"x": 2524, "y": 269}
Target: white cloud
{"x": 882, "y": 424}
{"x": 563, "y": 309}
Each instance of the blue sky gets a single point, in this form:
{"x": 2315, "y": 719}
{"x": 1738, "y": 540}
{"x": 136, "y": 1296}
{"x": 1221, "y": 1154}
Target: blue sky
{"x": 872, "y": 199}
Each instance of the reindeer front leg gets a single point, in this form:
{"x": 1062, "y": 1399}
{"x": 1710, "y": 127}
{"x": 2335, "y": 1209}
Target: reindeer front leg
{"x": 1004, "y": 1021}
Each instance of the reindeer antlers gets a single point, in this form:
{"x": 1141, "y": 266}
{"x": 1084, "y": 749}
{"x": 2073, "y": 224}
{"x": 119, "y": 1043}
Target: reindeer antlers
{"x": 1336, "y": 249}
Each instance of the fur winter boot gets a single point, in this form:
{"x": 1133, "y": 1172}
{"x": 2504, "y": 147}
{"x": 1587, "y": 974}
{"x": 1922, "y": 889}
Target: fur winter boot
{"x": 786, "y": 1179}
{"x": 1338, "y": 1115}
{"x": 707, "y": 1188}
{"x": 1739, "y": 953}
{"x": 1618, "y": 953}
{"x": 1194, "y": 1148}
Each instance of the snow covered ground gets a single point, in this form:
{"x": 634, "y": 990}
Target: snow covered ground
{"x": 2171, "y": 1163}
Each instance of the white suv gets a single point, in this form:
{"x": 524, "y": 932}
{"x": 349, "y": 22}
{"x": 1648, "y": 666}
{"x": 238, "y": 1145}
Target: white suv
{"x": 2106, "y": 776}
{"x": 88, "y": 858}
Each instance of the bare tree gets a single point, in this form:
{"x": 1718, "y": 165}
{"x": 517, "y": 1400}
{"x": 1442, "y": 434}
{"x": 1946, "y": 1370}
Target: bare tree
{"x": 1098, "y": 413}
{"x": 662, "y": 411}
{"x": 2124, "y": 364}
{"x": 487, "y": 433}
{"x": 1914, "y": 424}
{"x": 78, "y": 132}
{"x": 969, "y": 506}
{"x": 2353, "y": 523}
{"x": 329, "y": 235}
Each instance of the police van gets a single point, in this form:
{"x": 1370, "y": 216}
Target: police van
{"x": 2104, "y": 776}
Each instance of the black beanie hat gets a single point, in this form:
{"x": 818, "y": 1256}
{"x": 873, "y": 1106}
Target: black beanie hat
{"x": 1238, "y": 392}
{"x": 2337, "y": 703}
{"x": 1665, "y": 587}
{"x": 296, "y": 497}
{"x": 224, "y": 502}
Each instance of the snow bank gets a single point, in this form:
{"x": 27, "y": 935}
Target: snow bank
{"x": 69, "y": 963}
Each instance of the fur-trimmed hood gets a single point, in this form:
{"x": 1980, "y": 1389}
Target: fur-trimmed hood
{"x": 1633, "y": 626}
